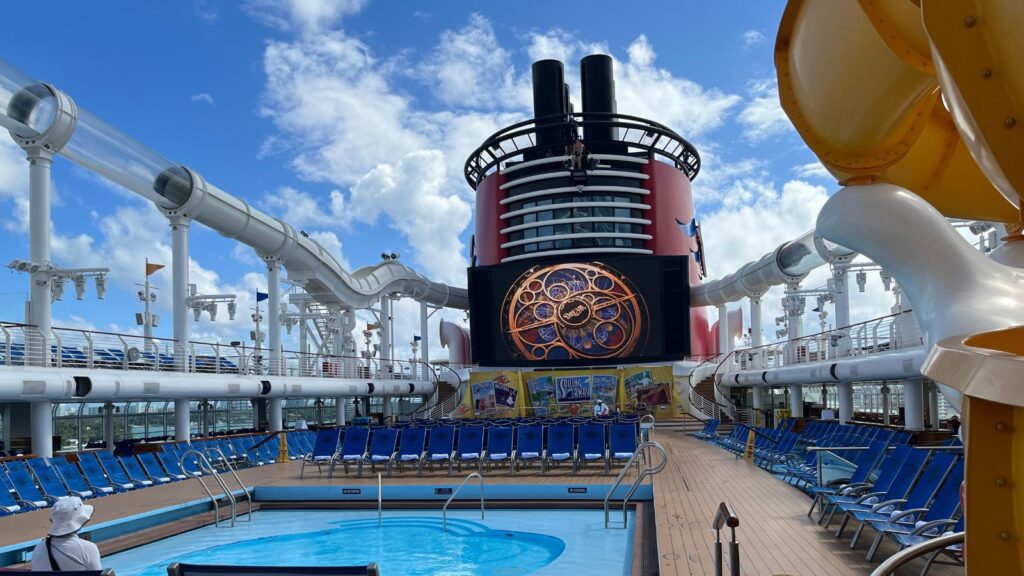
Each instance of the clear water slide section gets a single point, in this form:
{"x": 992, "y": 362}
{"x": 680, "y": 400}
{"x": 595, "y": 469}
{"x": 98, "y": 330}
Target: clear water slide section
{"x": 860, "y": 84}
{"x": 29, "y": 108}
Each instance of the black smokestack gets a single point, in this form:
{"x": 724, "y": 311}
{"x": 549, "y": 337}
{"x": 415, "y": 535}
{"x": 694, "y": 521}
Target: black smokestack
{"x": 598, "y": 86}
{"x": 549, "y": 98}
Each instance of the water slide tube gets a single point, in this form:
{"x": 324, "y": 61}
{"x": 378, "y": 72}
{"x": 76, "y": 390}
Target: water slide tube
{"x": 29, "y": 108}
{"x": 29, "y": 384}
{"x": 859, "y": 83}
{"x": 790, "y": 262}
{"x": 890, "y": 366}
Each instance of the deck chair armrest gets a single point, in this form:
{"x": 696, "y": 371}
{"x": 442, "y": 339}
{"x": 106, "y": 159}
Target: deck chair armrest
{"x": 920, "y": 530}
{"x": 423, "y": 456}
{"x": 864, "y": 497}
{"x": 51, "y": 499}
{"x": 544, "y": 454}
{"x": 838, "y": 482}
{"x": 894, "y": 502}
{"x": 905, "y": 513}
{"x": 856, "y": 485}
{"x": 483, "y": 454}
{"x": 514, "y": 454}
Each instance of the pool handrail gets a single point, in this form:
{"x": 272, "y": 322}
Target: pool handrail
{"x": 647, "y": 471}
{"x": 444, "y": 510}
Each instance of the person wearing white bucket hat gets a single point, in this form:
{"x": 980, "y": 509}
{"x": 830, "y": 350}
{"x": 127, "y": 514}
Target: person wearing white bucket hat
{"x": 62, "y": 549}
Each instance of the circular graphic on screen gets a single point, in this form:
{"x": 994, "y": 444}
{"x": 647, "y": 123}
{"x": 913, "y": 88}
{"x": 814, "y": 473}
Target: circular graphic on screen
{"x": 573, "y": 311}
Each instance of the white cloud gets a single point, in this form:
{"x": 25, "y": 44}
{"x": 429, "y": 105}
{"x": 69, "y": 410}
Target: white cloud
{"x": 206, "y": 10}
{"x": 752, "y": 38}
{"x": 762, "y": 116}
{"x": 14, "y": 184}
{"x": 302, "y": 210}
{"x": 307, "y": 16}
{"x": 469, "y": 67}
{"x": 331, "y": 243}
{"x": 813, "y": 170}
{"x": 204, "y": 98}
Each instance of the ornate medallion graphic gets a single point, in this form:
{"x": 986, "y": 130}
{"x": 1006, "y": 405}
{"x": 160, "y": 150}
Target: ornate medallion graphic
{"x": 573, "y": 311}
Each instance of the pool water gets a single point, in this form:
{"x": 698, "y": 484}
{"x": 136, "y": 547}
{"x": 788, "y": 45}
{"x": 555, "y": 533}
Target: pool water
{"x": 506, "y": 543}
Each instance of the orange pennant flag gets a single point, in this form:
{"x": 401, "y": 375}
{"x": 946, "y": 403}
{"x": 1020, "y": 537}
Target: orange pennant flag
{"x": 150, "y": 268}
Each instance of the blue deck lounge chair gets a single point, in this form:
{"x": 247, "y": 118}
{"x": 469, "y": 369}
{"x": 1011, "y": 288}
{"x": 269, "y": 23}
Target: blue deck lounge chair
{"x": 138, "y": 474}
{"x": 73, "y": 479}
{"x": 499, "y": 448}
{"x": 943, "y": 507}
{"x": 561, "y": 447}
{"x": 28, "y": 494}
{"x": 47, "y": 478}
{"x": 931, "y": 530}
{"x": 867, "y": 460}
{"x": 470, "y": 449}
{"x": 382, "y": 451}
{"x": 622, "y": 443}
{"x": 530, "y": 442}
{"x": 440, "y": 447}
{"x": 324, "y": 447}
{"x": 412, "y": 447}
{"x": 112, "y": 468}
{"x": 353, "y": 449}
{"x": 8, "y": 505}
{"x": 151, "y": 466}
{"x": 885, "y": 474}
{"x": 900, "y": 487}
{"x": 591, "y": 447}
{"x": 924, "y": 490}
{"x": 171, "y": 464}
{"x": 98, "y": 481}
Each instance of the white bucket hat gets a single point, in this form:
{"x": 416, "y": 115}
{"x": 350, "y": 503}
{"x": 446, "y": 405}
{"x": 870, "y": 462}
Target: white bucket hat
{"x": 68, "y": 515}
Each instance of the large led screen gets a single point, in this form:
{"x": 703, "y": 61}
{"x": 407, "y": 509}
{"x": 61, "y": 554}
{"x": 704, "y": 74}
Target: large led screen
{"x": 613, "y": 310}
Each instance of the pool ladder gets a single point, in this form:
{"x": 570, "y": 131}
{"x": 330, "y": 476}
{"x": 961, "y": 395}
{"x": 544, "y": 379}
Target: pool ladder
{"x": 205, "y": 467}
{"x": 444, "y": 511}
{"x": 646, "y": 472}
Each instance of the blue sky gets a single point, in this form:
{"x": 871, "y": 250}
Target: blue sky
{"x": 352, "y": 119}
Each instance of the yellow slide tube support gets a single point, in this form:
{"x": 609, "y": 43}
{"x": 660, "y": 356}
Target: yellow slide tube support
{"x": 858, "y": 82}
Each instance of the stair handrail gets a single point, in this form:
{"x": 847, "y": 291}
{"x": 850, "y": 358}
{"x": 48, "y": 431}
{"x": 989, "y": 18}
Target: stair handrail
{"x": 444, "y": 510}
{"x": 206, "y": 467}
{"x": 907, "y": 554}
{"x": 646, "y": 472}
{"x": 706, "y": 406}
{"x": 729, "y": 407}
{"x": 230, "y": 468}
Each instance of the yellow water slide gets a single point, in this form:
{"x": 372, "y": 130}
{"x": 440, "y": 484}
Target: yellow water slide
{"x": 859, "y": 82}
{"x": 928, "y": 95}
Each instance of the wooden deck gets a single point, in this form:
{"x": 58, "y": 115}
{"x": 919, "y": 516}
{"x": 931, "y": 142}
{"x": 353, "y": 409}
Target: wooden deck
{"x": 775, "y": 535}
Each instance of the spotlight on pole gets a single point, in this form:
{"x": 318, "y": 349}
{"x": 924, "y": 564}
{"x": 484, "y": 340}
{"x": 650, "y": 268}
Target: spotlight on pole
{"x": 212, "y": 309}
{"x": 862, "y": 280}
{"x": 231, "y": 310}
{"x": 101, "y": 286}
{"x": 886, "y": 280}
{"x": 80, "y": 287}
{"x": 57, "y": 289}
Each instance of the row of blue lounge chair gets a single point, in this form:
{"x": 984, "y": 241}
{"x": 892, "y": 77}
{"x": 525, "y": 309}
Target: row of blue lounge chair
{"x": 29, "y": 484}
{"x": 866, "y": 475}
{"x": 514, "y": 447}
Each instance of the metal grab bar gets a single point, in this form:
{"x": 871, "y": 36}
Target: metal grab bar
{"x": 906, "y": 555}
{"x": 648, "y": 471}
{"x": 380, "y": 500}
{"x": 205, "y": 466}
{"x": 230, "y": 468}
{"x": 444, "y": 511}
{"x": 726, "y": 516}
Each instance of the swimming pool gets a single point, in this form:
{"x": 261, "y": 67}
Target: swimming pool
{"x": 506, "y": 543}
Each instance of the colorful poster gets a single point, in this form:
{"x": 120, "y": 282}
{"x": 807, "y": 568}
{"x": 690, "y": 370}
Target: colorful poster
{"x": 505, "y": 396}
{"x": 572, "y": 389}
{"x": 483, "y": 396}
{"x": 542, "y": 395}
{"x": 491, "y": 394}
{"x": 651, "y": 386}
{"x": 605, "y": 387}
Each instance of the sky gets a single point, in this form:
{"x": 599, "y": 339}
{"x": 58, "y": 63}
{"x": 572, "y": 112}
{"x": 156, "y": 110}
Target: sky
{"x": 351, "y": 120}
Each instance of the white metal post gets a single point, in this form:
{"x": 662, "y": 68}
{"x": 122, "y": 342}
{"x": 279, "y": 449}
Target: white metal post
{"x": 841, "y": 277}
{"x": 179, "y": 293}
{"x": 42, "y": 429}
{"x": 845, "y": 402}
{"x": 913, "y": 404}
{"x": 723, "y": 330}
{"x": 424, "y": 342}
{"x": 182, "y": 420}
{"x": 40, "y": 160}
{"x": 385, "y": 335}
{"x": 275, "y": 414}
{"x": 339, "y": 406}
{"x": 796, "y": 400}
{"x": 274, "y": 316}
{"x": 755, "y": 321}
{"x": 304, "y": 367}
{"x": 108, "y": 424}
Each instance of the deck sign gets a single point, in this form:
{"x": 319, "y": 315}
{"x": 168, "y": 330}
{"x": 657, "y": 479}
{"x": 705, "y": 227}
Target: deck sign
{"x": 572, "y": 389}
{"x": 577, "y": 489}
{"x": 442, "y": 491}
{"x": 355, "y": 491}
